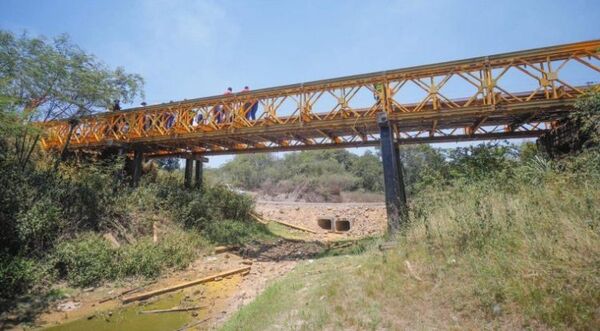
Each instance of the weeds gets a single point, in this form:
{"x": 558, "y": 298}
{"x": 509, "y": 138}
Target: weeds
{"x": 88, "y": 259}
{"x": 512, "y": 256}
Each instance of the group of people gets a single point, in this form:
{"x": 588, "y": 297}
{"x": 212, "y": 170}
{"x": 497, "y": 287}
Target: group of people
{"x": 224, "y": 113}
{"x": 221, "y": 113}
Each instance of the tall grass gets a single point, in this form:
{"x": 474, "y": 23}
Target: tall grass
{"x": 512, "y": 251}
{"x": 528, "y": 249}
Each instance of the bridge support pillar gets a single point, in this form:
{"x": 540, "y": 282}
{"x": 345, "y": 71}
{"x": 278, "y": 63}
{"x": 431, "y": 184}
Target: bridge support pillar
{"x": 138, "y": 158}
{"x": 199, "y": 170}
{"x": 189, "y": 166}
{"x": 401, "y": 186}
{"x": 395, "y": 197}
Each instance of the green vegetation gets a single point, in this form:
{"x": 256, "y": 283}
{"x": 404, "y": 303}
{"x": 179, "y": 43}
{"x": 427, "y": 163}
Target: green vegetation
{"x": 89, "y": 258}
{"x": 513, "y": 251}
{"x": 55, "y": 216}
{"x": 332, "y": 174}
{"x": 503, "y": 238}
{"x": 309, "y": 176}
{"x": 498, "y": 236}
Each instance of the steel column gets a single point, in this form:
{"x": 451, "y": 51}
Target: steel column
{"x": 189, "y": 165}
{"x": 394, "y": 194}
{"x": 199, "y": 170}
{"x": 400, "y": 169}
{"x": 138, "y": 158}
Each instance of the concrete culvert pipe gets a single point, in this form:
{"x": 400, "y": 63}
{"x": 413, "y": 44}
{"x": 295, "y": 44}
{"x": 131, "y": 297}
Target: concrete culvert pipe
{"x": 342, "y": 225}
{"x": 325, "y": 223}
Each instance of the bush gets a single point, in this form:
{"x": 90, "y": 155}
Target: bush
{"x": 213, "y": 204}
{"x": 17, "y": 275}
{"x": 89, "y": 260}
{"x": 233, "y": 231}
{"x": 86, "y": 260}
{"x": 38, "y": 227}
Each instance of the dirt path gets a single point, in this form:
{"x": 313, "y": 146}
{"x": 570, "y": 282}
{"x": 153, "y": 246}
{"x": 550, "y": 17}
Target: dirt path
{"x": 221, "y": 299}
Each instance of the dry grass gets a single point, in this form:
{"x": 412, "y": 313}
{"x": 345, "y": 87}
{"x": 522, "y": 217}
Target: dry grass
{"x": 480, "y": 256}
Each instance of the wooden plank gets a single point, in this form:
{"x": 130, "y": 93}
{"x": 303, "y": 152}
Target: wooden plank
{"x": 223, "y": 249}
{"x": 294, "y": 226}
{"x": 258, "y": 219}
{"x": 129, "y": 291}
{"x": 183, "y": 285}
{"x": 171, "y": 310}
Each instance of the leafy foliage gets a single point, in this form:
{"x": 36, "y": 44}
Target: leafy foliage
{"x": 43, "y": 79}
{"x": 587, "y": 116}
{"x": 55, "y": 78}
{"x": 89, "y": 259}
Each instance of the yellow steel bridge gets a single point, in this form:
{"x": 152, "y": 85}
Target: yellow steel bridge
{"x": 511, "y": 95}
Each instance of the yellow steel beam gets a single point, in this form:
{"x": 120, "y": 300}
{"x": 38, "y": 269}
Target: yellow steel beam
{"x": 328, "y": 112}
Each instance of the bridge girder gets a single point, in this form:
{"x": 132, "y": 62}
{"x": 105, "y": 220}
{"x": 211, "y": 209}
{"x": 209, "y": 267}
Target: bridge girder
{"x": 453, "y": 101}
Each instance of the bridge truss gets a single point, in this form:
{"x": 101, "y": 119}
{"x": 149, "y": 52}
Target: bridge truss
{"x": 512, "y": 95}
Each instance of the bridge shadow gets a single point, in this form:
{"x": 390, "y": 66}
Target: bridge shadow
{"x": 24, "y": 310}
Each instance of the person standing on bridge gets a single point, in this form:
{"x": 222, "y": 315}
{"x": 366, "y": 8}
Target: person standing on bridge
{"x": 116, "y": 106}
{"x": 226, "y": 112}
{"x": 250, "y": 107}
{"x": 218, "y": 111}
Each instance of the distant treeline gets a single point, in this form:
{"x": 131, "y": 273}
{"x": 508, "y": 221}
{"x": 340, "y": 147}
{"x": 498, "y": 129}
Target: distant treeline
{"x": 323, "y": 175}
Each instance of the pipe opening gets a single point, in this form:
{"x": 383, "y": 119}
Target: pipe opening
{"x": 342, "y": 225}
{"x": 325, "y": 223}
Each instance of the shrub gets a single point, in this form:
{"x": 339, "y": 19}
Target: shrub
{"x": 38, "y": 227}
{"x": 214, "y": 204}
{"x": 86, "y": 260}
{"x": 233, "y": 231}
{"x": 17, "y": 275}
{"x": 175, "y": 249}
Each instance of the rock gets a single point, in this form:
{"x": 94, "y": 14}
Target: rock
{"x": 68, "y": 306}
{"x": 496, "y": 309}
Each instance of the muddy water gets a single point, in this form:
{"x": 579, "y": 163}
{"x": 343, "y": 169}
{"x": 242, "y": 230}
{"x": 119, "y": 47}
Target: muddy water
{"x": 212, "y": 297}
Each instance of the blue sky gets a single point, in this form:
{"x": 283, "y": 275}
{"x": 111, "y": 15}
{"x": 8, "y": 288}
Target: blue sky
{"x": 187, "y": 49}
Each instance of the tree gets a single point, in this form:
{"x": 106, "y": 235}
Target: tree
{"x": 367, "y": 168}
{"x": 50, "y": 79}
{"x": 421, "y": 163}
{"x": 481, "y": 161}
{"x": 587, "y": 117}
{"x": 249, "y": 171}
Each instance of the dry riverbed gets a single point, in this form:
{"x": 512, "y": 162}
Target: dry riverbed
{"x": 83, "y": 309}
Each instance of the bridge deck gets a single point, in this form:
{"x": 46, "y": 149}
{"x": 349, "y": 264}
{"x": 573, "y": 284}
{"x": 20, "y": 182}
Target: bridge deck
{"x": 479, "y": 98}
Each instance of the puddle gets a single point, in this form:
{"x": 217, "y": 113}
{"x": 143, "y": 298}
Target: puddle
{"x": 211, "y": 296}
